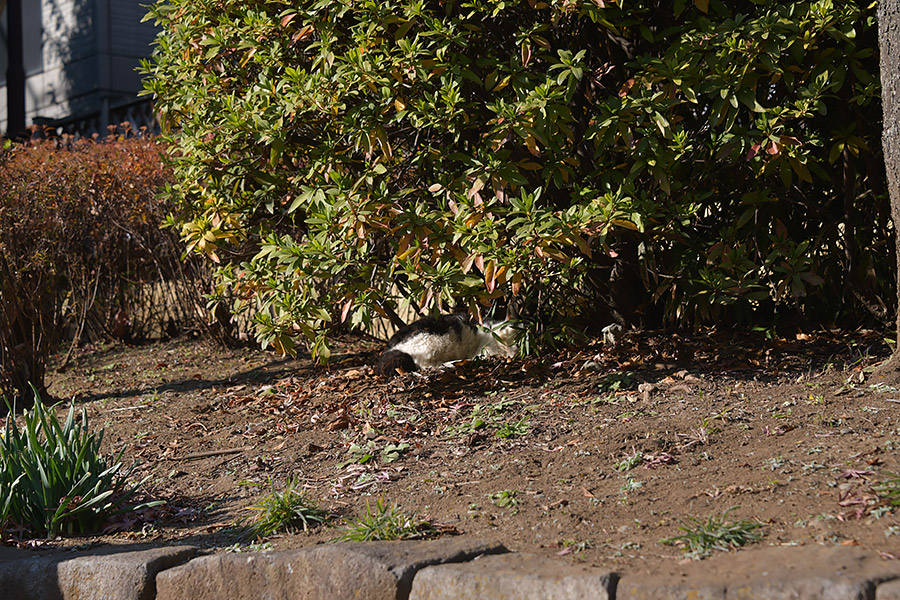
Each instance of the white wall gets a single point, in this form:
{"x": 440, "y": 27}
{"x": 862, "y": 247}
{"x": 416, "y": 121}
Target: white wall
{"x": 85, "y": 56}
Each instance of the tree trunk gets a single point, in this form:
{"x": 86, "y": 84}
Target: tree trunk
{"x": 889, "y": 47}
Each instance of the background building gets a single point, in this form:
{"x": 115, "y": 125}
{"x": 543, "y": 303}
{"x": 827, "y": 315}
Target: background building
{"x": 78, "y": 61}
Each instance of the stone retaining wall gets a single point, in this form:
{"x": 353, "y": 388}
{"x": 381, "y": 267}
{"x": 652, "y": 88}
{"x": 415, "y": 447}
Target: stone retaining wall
{"x": 450, "y": 568}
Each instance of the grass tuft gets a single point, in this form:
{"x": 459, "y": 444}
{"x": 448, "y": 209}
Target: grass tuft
{"x": 701, "y": 538}
{"x": 287, "y": 510}
{"x": 385, "y": 521}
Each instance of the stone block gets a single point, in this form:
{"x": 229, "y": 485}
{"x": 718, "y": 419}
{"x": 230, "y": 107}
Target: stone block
{"x": 659, "y": 588}
{"x": 775, "y": 573}
{"x": 888, "y": 591}
{"x": 512, "y": 577}
{"x": 108, "y": 574}
{"x": 370, "y": 570}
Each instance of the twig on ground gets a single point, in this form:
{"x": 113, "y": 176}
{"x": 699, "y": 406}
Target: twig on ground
{"x": 209, "y": 453}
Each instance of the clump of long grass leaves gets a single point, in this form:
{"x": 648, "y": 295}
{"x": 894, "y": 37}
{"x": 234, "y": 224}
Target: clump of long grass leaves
{"x": 385, "y": 521}
{"x": 54, "y": 479}
{"x": 288, "y": 510}
{"x": 701, "y": 538}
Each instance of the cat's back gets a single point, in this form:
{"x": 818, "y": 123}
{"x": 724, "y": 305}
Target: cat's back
{"x": 431, "y": 326}
{"x": 430, "y": 342}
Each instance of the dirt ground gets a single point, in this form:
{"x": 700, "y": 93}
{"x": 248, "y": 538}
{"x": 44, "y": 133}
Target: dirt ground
{"x": 594, "y": 455}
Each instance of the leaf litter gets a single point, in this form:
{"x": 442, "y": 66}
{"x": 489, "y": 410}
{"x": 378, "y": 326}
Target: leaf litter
{"x": 793, "y": 432}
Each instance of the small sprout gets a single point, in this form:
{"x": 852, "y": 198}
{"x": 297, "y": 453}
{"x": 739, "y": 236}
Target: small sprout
{"x": 881, "y": 511}
{"x": 466, "y": 428}
{"x": 630, "y": 461}
{"x": 255, "y": 547}
{"x": 573, "y": 546}
{"x": 631, "y": 485}
{"x": 888, "y": 491}
{"x": 359, "y": 454}
{"x": 514, "y": 429}
{"x": 505, "y": 498}
{"x": 362, "y": 453}
{"x": 603, "y": 400}
{"x": 392, "y": 452}
{"x": 882, "y": 388}
{"x": 701, "y": 434}
{"x": 774, "y": 463}
{"x": 615, "y": 382}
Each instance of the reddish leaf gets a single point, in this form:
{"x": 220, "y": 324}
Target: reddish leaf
{"x": 754, "y": 150}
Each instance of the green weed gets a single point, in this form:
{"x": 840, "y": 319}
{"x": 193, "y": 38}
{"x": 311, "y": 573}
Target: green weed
{"x": 888, "y": 491}
{"x": 514, "y": 429}
{"x": 631, "y": 485}
{"x": 287, "y": 510}
{"x": 254, "y": 547}
{"x": 882, "y": 388}
{"x": 615, "y": 382}
{"x": 505, "y": 498}
{"x": 707, "y": 426}
{"x": 702, "y": 538}
{"x": 362, "y": 453}
{"x": 575, "y": 545}
{"x": 630, "y": 462}
{"x": 466, "y": 428}
{"x": 385, "y": 522}
{"x": 491, "y": 415}
{"x": 602, "y": 400}
{"x": 774, "y": 463}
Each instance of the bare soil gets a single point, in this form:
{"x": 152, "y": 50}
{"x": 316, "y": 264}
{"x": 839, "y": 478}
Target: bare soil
{"x": 594, "y": 455}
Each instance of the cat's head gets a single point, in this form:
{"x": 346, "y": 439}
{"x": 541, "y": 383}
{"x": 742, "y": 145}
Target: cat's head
{"x": 503, "y": 339}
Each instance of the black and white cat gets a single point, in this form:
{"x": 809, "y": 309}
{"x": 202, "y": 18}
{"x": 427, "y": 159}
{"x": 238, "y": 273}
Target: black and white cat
{"x": 434, "y": 341}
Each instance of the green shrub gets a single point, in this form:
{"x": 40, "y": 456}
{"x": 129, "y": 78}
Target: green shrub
{"x": 53, "y": 478}
{"x": 583, "y": 160}
{"x": 701, "y": 538}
